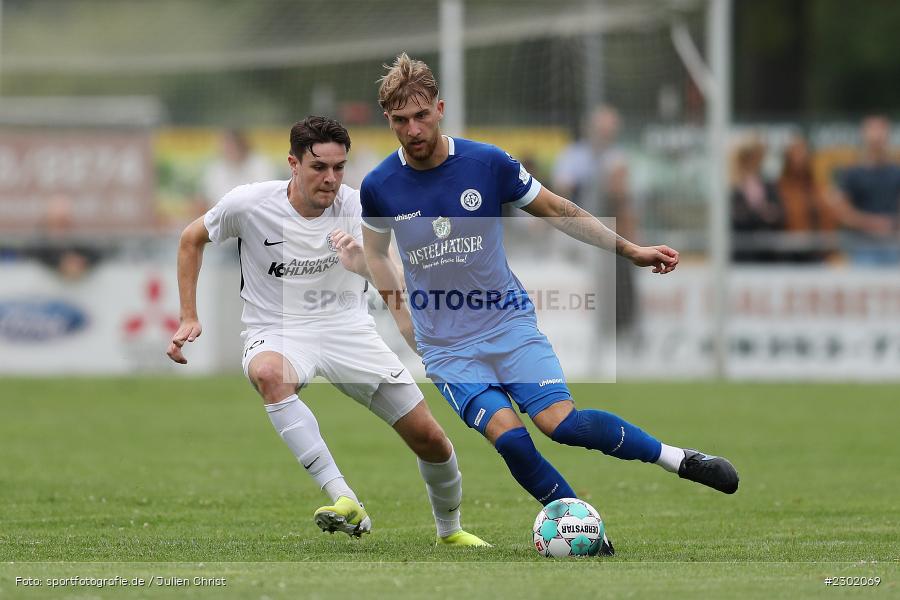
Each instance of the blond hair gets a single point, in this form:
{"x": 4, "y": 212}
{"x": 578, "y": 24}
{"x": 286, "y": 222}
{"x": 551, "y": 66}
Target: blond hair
{"x": 406, "y": 79}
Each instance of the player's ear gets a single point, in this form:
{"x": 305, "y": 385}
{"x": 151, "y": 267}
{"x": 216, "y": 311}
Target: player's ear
{"x": 293, "y": 163}
{"x": 388, "y": 117}
{"x": 440, "y": 109}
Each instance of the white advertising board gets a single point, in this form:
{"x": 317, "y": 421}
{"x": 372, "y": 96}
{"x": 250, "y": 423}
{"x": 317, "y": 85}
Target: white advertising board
{"x": 786, "y": 323}
{"x": 117, "y": 319}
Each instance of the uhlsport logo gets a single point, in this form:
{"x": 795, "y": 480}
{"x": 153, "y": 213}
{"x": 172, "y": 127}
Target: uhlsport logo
{"x": 408, "y": 216}
{"x": 470, "y": 199}
{"x": 441, "y": 227}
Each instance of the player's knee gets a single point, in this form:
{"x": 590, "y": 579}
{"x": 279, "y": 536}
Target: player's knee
{"x": 265, "y": 373}
{"x": 549, "y": 419}
{"x": 516, "y": 446}
{"x": 430, "y": 442}
{"x": 268, "y": 378}
{"x": 501, "y": 423}
{"x": 490, "y": 412}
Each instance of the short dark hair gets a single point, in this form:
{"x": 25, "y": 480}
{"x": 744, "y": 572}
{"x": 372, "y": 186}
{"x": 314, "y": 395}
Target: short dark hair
{"x": 316, "y": 130}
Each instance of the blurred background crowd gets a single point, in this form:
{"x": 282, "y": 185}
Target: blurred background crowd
{"x": 133, "y": 119}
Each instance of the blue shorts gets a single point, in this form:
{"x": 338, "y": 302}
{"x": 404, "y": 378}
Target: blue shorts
{"x": 518, "y": 360}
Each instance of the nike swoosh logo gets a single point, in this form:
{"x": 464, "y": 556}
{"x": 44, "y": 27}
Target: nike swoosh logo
{"x": 397, "y": 374}
{"x": 455, "y": 507}
{"x": 312, "y": 463}
{"x": 268, "y": 243}
{"x": 707, "y": 457}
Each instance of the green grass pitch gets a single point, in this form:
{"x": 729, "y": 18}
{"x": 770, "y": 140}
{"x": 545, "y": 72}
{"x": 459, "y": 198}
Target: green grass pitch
{"x": 171, "y": 477}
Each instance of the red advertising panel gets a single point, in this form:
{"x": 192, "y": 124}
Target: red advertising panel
{"x": 107, "y": 177}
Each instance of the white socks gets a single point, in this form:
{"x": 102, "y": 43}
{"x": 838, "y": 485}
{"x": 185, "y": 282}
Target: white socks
{"x": 337, "y": 488}
{"x": 670, "y": 458}
{"x": 443, "y": 482}
{"x": 299, "y": 429}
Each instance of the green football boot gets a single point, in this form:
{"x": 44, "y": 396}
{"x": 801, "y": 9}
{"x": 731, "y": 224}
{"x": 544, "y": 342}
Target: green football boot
{"x": 346, "y": 515}
{"x": 462, "y": 538}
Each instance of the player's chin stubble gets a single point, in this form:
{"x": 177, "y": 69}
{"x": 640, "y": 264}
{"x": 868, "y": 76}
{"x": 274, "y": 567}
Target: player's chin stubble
{"x": 424, "y": 151}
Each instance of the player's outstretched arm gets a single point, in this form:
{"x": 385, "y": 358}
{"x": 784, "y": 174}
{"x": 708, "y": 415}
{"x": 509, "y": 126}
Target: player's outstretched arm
{"x": 190, "y": 256}
{"x": 387, "y": 280}
{"x": 576, "y": 222}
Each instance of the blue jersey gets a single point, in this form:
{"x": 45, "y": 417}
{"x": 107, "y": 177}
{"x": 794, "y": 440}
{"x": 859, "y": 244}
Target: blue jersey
{"x": 447, "y": 226}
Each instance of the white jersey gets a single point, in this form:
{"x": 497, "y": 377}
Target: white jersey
{"x": 290, "y": 274}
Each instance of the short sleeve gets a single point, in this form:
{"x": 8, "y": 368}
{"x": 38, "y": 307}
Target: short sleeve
{"x": 372, "y": 216}
{"x": 516, "y": 184}
{"x": 222, "y": 221}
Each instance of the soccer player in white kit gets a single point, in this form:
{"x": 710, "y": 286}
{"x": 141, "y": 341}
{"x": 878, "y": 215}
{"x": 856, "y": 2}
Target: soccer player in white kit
{"x": 303, "y": 278}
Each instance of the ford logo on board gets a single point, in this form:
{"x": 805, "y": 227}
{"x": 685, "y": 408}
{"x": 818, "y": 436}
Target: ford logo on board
{"x": 39, "y": 320}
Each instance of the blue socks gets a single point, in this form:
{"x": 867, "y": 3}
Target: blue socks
{"x": 603, "y": 431}
{"x": 592, "y": 429}
{"x": 530, "y": 469}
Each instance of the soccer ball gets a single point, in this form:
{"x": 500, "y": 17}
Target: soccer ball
{"x": 568, "y": 527}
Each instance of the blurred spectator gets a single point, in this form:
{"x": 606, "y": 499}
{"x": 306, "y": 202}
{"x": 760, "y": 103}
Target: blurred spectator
{"x": 236, "y": 165}
{"x": 755, "y": 206}
{"x": 867, "y": 198}
{"x": 522, "y": 233}
{"x": 55, "y": 246}
{"x": 806, "y": 208}
{"x": 593, "y": 173}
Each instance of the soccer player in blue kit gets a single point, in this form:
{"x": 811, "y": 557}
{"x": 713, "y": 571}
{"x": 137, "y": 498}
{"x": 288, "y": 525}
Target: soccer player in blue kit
{"x": 491, "y": 353}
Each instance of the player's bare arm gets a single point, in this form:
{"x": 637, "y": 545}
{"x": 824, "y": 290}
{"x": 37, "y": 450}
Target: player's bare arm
{"x": 576, "y": 222}
{"x": 350, "y": 253}
{"x": 190, "y": 257}
{"x": 387, "y": 280}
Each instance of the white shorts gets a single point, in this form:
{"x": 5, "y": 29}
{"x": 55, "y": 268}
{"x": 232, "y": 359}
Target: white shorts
{"x": 353, "y": 358}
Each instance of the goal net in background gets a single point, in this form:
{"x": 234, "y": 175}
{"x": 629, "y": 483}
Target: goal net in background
{"x": 533, "y": 70}
{"x": 182, "y": 73}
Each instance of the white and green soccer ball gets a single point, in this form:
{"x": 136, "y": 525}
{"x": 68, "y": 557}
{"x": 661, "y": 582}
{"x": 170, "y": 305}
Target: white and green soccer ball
{"x": 568, "y": 527}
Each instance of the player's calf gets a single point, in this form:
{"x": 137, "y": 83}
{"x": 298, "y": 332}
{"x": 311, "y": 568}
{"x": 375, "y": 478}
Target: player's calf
{"x": 612, "y": 435}
{"x": 530, "y": 468}
{"x": 608, "y": 433}
{"x": 425, "y": 437}
{"x": 440, "y": 472}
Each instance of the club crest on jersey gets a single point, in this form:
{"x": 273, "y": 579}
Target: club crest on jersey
{"x": 330, "y": 243}
{"x": 470, "y": 199}
{"x": 441, "y": 226}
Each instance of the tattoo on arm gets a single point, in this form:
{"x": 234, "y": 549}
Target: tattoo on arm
{"x": 583, "y": 226}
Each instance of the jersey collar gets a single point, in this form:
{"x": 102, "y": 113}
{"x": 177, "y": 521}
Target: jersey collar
{"x": 450, "y": 150}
